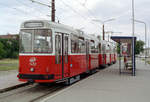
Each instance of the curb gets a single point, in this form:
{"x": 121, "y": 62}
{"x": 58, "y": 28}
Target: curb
{"x": 13, "y": 87}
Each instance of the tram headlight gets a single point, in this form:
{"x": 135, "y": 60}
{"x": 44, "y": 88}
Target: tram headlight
{"x": 32, "y": 69}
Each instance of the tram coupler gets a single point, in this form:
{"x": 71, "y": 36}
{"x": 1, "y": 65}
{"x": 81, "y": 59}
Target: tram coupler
{"x": 31, "y": 81}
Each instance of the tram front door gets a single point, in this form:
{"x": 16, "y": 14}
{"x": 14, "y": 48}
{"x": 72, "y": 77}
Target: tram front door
{"x": 61, "y": 54}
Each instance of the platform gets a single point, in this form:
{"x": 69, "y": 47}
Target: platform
{"x": 109, "y": 86}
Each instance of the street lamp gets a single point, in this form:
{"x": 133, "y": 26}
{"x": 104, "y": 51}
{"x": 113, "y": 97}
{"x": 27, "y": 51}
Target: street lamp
{"x": 103, "y": 26}
{"x": 111, "y": 33}
{"x": 145, "y": 35}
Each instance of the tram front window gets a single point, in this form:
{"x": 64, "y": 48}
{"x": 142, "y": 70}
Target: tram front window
{"x": 42, "y": 41}
{"x": 26, "y": 40}
{"x": 36, "y": 41}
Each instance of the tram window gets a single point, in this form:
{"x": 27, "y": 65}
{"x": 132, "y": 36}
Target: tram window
{"x": 57, "y": 49}
{"x": 80, "y": 45}
{"x": 108, "y": 49}
{"x": 77, "y": 45}
{"x": 74, "y": 46}
{"x": 43, "y": 41}
{"x": 103, "y": 49}
{"x": 26, "y": 40}
{"x": 100, "y": 48}
{"x": 94, "y": 49}
{"x": 66, "y": 49}
{"x": 36, "y": 41}
{"x": 83, "y": 47}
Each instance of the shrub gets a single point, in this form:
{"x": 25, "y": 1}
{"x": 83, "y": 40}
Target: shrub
{"x": 9, "y": 48}
{"x": 2, "y": 51}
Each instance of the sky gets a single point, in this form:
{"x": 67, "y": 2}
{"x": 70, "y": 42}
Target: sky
{"x": 79, "y": 14}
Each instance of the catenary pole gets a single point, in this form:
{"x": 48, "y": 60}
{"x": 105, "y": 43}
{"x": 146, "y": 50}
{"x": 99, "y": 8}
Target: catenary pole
{"x": 133, "y": 40}
{"x": 53, "y": 11}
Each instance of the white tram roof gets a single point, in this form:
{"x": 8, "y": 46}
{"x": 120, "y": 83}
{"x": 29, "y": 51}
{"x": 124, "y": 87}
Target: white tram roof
{"x": 46, "y": 24}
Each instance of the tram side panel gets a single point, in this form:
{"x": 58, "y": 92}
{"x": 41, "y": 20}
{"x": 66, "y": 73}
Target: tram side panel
{"x": 101, "y": 59}
{"x": 77, "y": 57}
{"x": 111, "y": 58}
{"x": 108, "y": 54}
{"x": 94, "y": 59}
{"x": 77, "y": 64}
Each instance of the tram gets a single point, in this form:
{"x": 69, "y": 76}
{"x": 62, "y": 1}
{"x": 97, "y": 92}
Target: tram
{"x": 53, "y": 52}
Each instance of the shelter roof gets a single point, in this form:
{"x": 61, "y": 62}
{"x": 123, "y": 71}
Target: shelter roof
{"x": 122, "y": 39}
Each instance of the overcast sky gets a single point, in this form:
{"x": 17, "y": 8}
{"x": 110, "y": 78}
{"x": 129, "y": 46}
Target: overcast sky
{"x": 78, "y": 14}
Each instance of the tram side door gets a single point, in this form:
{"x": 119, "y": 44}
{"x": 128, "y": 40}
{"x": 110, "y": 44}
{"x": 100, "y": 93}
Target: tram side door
{"x": 104, "y": 54}
{"x": 65, "y": 46}
{"x": 87, "y": 55}
{"x": 100, "y": 54}
{"x": 61, "y": 54}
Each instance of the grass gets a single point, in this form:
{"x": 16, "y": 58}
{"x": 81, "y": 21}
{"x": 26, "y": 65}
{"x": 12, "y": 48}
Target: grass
{"x": 8, "y": 64}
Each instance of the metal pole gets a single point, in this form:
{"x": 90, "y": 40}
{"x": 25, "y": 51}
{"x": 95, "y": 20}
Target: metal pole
{"x": 148, "y": 48}
{"x": 103, "y": 32}
{"x": 103, "y": 27}
{"x": 53, "y": 11}
{"x": 133, "y": 28}
{"x": 145, "y": 41}
{"x": 120, "y": 57}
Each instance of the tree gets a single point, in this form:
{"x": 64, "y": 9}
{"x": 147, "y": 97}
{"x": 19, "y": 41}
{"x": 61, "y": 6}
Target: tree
{"x": 2, "y": 51}
{"x": 139, "y": 47}
{"x": 10, "y": 48}
{"x": 118, "y": 48}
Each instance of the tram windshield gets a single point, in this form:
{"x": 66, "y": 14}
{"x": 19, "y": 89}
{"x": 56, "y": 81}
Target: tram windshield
{"x": 36, "y": 41}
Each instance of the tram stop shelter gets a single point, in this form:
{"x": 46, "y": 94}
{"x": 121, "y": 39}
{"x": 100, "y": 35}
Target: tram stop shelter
{"x": 126, "y": 53}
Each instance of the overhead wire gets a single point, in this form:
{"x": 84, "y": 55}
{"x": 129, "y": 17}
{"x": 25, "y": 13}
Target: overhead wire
{"x": 72, "y": 9}
{"x": 37, "y": 11}
{"x": 11, "y": 8}
{"x": 84, "y": 6}
{"x": 24, "y": 4}
{"x": 88, "y": 10}
{"x": 83, "y": 17}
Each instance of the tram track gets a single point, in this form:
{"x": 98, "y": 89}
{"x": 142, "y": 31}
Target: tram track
{"x": 49, "y": 93}
{"x": 14, "y": 87}
{"x": 30, "y": 93}
{"x": 33, "y": 92}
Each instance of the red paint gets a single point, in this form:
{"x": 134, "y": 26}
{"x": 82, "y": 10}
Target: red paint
{"x": 93, "y": 61}
{"x": 46, "y": 65}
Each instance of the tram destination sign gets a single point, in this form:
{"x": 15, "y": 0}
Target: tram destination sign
{"x": 33, "y": 24}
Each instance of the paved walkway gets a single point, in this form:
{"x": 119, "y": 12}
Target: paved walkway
{"x": 8, "y": 79}
{"x": 108, "y": 86}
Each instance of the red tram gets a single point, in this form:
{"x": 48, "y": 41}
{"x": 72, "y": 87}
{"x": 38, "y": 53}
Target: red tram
{"x": 51, "y": 52}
